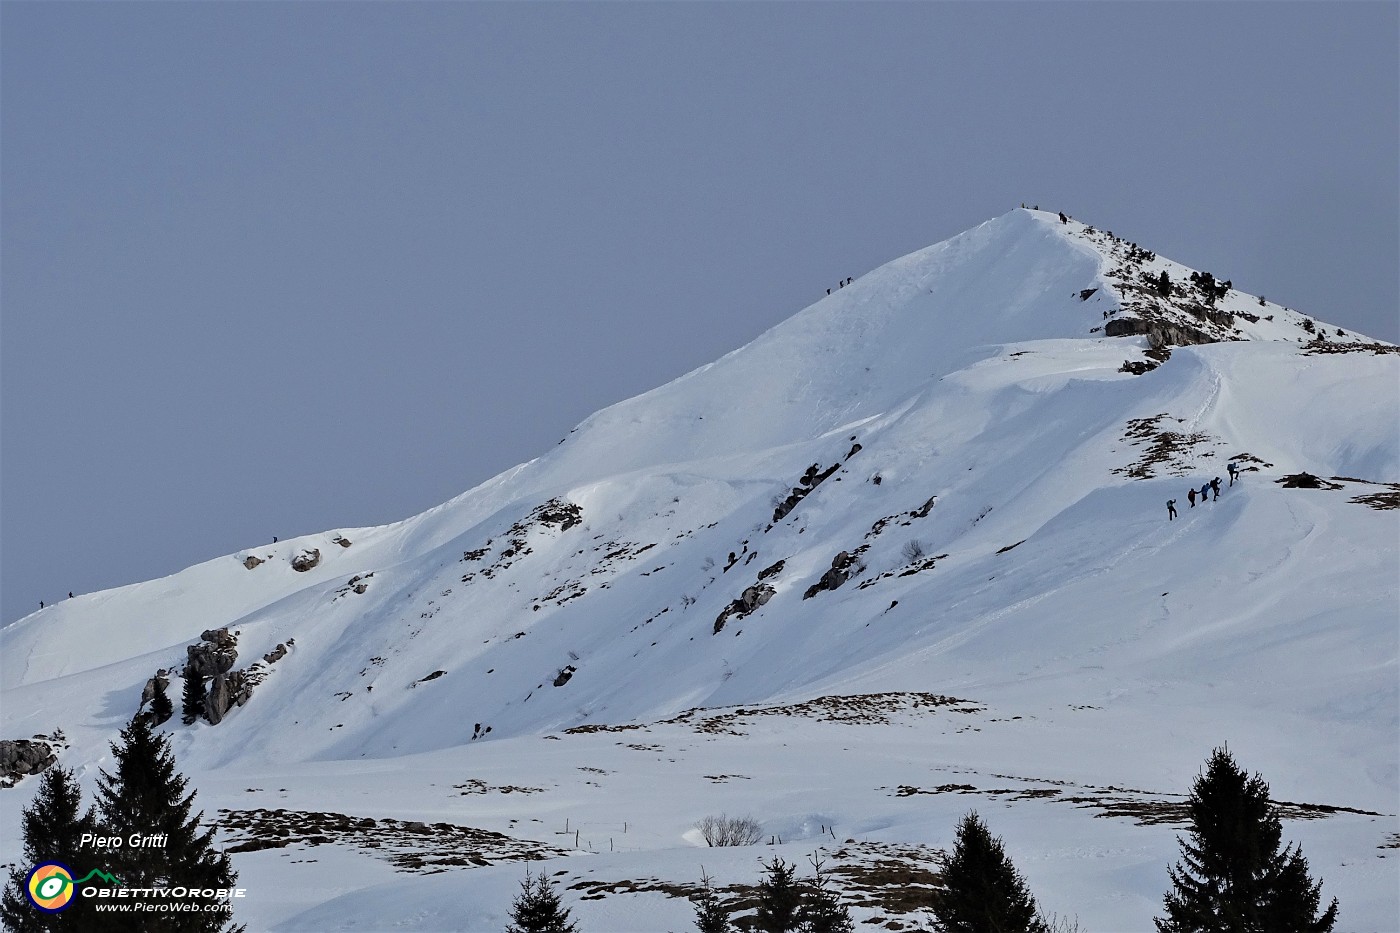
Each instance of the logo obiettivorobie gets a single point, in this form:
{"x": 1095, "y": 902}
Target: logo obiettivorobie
{"x": 50, "y": 887}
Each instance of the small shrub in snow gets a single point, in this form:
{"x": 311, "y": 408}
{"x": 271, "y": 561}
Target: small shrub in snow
{"x": 725, "y": 830}
{"x": 913, "y": 550}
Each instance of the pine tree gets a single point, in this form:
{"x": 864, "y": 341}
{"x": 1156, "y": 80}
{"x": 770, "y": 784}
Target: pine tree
{"x": 1232, "y": 878}
{"x": 1164, "y": 284}
{"x": 161, "y": 710}
{"x": 52, "y": 826}
{"x": 779, "y": 899}
{"x": 821, "y": 912}
{"x": 710, "y": 915}
{"x": 982, "y": 889}
{"x": 147, "y": 796}
{"x": 192, "y": 700}
{"x": 537, "y": 908}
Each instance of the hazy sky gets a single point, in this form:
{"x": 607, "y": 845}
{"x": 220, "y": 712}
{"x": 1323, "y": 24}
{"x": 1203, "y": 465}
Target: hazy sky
{"x": 272, "y": 269}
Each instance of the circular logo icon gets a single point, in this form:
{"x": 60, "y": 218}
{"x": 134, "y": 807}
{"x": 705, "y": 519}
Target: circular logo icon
{"x": 50, "y": 887}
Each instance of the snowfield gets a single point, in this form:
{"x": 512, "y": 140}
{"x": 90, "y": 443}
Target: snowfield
{"x": 974, "y": 601}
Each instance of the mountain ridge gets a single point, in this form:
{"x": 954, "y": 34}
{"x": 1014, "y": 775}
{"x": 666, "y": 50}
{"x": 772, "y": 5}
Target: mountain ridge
{"x": 942, "y": 480}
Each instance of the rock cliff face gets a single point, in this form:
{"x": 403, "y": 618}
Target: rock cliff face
{"x": 213, "y": 658}
{"x": 225, "y": 692}
{"x": 1160, "y": 334}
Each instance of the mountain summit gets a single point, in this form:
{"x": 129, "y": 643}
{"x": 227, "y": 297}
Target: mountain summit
{"x": 943, "y": 486}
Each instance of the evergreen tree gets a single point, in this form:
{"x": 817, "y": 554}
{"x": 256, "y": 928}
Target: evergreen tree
{"x": 982, "y": 889}
{"x": 161, "y": 710}
{"x": 821, "y": 912}
{"x": 1164, "y": 284}
{"x": 710, "y": 915}
{"x": 779, "y": 899}
{"x": 1232, "y": 878}
{"x": 192, "y": 700}
{"x": 147, "y": 796}
{"x": 52, "y": 825}
{"x": 537, "y": 908}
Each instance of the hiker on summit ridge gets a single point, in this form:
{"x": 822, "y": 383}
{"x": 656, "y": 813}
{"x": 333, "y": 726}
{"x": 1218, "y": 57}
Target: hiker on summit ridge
{"x": 1205, "y": 491}
{"x": 1232, "y": 470}
{"x": 1191, "y": 497}
{"x": 1171, "y": 509}
{"x": 1215, "y": 487}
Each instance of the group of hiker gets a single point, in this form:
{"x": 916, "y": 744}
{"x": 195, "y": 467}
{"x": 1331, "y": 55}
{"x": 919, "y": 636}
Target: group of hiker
{"x": 843, "y": 283}
{"x": 1208, "y": 491}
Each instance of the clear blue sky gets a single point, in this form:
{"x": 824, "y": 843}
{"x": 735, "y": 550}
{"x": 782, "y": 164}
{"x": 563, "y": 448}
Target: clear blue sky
{"x": 271, "y": 269}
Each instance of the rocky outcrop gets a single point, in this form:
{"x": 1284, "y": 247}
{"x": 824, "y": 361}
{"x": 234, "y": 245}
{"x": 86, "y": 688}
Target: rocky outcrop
{"x": 341, "y": 540}
{"x": 1306, "y": 481}
{"x": 842, "y": 566}
{"x": 213, "y": 659}
{"x": 1138, "y": 367}
{"x": 811, "y": 479}
{"x": 356, "y": 584}
{"x": 217, "y": 700}
{"x": 306, "y": 560}
{"x": 215, "y": 655}
{"x": 772, "y": 571}
{"x": 557, "y": 513}
{"x": 1159, "y": 333}
{"x": 20, "y": 758}
{"x": 251, "y": 562}
{"x": 755, "y": 596}
{"x": 752, "y": 598}
{"x": 225, "y": 692}
{"x": 564, "y": 675}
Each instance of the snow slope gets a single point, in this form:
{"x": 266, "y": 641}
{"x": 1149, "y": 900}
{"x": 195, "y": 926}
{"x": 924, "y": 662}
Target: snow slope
{"x": 999, "y": 484}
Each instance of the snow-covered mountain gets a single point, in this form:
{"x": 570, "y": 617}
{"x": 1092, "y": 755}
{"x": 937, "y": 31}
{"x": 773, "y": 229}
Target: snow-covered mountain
{"x": 905, "y": 554}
